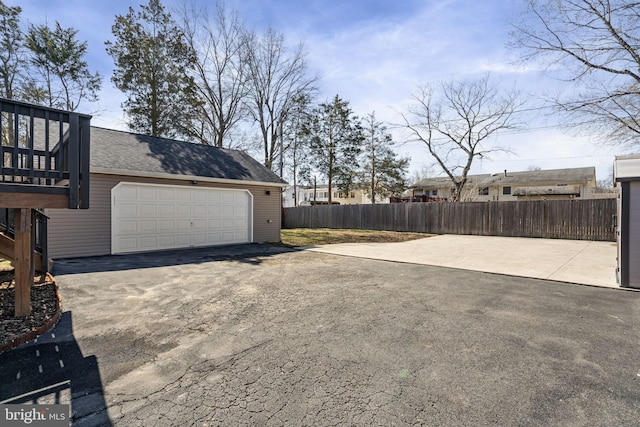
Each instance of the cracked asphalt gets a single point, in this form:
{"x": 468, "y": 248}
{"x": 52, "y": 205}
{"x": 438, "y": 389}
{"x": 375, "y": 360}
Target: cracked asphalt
{"x": 278, "y": 337}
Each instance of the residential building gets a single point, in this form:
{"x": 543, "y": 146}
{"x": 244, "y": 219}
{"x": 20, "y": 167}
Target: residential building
{"x": 570, "y": 183}
{"x": 307, "y": 196}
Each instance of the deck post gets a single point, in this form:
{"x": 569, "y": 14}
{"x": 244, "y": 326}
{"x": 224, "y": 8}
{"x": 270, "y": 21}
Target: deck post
{"x": 23, "y": 261}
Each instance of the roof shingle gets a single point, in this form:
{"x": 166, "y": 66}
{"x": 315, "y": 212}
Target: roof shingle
{"x": 124, "y": 151}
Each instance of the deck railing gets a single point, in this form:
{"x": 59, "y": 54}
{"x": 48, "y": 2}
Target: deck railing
{"x": 44, "y": 150}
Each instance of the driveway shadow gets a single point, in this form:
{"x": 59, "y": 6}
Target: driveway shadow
{"x": 52, "y": 370}
{"x": 244, "y": 253}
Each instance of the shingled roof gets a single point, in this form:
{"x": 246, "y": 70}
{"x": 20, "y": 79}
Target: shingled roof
{"x": 128, "y": 153}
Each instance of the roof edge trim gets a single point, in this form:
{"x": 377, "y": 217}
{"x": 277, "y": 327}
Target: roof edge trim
{"x": 142, "y": 174}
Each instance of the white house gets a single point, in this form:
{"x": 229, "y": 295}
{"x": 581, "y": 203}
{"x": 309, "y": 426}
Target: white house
{"x": 307, "y": 195}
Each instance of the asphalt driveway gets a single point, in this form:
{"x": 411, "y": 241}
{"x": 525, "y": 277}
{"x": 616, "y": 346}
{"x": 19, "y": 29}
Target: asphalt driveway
{"x": 217, "y": 337}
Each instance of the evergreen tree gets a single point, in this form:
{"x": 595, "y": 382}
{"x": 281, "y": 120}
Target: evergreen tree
{"x": 335, "y": 136}
{"x": 65, "y": 78}
{"x": 153, "y": 64}
{"x": 383, "y": 172}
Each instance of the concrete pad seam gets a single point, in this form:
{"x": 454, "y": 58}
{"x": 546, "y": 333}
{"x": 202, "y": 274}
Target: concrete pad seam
{"x": 571, "y": 259}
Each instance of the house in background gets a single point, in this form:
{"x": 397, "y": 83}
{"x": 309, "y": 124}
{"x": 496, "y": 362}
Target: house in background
{"x": 551, "y": 184}
{"x": 307, "y": 196}
{"x": 152, "y": 194}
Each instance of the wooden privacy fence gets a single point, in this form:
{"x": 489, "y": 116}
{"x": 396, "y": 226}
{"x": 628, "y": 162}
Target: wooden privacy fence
{"x": 554, "y": 219}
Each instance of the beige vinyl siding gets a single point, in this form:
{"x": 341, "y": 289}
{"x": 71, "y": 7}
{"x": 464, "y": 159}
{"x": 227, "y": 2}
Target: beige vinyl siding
{"x": 76, "y": 233}
{"x": 83, "y": 232}
{"x": 266, "y": 214}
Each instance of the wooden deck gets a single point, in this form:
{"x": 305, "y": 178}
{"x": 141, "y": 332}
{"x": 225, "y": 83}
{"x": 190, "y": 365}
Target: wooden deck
{"x": 44, "y": 163}
{"x": 45, "y": 156}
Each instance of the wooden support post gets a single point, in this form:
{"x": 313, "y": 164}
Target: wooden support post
{"x": 23, "y": 257}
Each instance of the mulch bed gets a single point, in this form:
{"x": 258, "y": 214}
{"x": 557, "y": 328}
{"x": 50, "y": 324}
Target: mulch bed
{"x": 45, "y": 310}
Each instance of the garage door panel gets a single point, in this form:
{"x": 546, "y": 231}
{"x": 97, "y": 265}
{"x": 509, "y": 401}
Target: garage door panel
{"x": 166, "y": 225}
{"x": 148, "y": 226}
{"x": 148, "y": 242}
{"x": 166, "y": 210}
{"x": 128, "y": 209}
{"x": 199, "y": 224}
{"x": 128, "y": 244}
{"x": 212, "y": 238}
{"x": 166, "y": 194}
{"x": 183, "y": 195}
{"x": 183, "y": 225}
{"x": 150, "y": 217}
{"x": 147, "y": 193}
{"x": 183, "y": 240}
{"x": 129, "y": 193}
{"x": 148, "y": 210}
{"x": 128, "y": 226}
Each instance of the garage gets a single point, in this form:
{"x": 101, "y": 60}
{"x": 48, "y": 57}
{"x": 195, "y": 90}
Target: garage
{"x": 148, "y": 217}
{"x": 148, "y": 193}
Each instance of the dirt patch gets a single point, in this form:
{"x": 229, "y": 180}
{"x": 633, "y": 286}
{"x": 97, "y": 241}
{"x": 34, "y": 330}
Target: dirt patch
{"x": 44, "y": 308}
{"x": 325, "y": 236}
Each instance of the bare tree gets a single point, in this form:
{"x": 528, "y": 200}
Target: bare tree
{"x": 597, "y": 43}
{"x": 220, "y": 73}
{"x": 12, "y": 50}
{"x": 425, "y": 171}
{"x": 277, "y": 78}
{"x": 457, "y": 124}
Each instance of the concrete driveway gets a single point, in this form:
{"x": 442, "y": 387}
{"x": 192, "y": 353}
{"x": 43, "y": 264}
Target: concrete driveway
{"x": 247, "y": 337}
{"x": 574, "y": 261}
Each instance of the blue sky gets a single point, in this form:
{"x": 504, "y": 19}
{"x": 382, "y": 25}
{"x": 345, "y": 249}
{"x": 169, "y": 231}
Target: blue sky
{"x": 375, "y": 53}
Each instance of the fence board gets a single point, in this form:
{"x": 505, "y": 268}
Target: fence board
{"x": 555, "y": 219}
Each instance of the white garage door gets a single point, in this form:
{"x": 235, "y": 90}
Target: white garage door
{"x": 148, "y": 217}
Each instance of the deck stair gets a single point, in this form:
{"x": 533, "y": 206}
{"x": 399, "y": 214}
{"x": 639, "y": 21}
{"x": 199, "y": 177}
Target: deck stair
{"x": 39, "y": 230}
